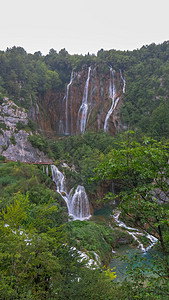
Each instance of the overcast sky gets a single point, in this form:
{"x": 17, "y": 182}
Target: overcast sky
{"x": 82, "y": 26}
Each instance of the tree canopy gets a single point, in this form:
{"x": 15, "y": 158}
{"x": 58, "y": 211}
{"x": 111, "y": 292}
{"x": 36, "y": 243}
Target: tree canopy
{"x": 140, "y": 171}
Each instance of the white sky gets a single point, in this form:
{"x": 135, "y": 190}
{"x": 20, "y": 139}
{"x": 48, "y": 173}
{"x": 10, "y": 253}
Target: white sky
{"x": 82, "y": 26}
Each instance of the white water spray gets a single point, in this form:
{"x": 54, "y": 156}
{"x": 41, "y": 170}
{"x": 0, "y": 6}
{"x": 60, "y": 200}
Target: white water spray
{"x": 79, "y": 204}
{"x": 153, "y": 240}
{"x": 61, "y": 127}
{"x": 66, "y": 105}
{"x": 77, "y": 201}
{"x": 112, "y": 94}
{"x": 124, "y": 82}
{"x": 84, "y": 106}
{"x": 47, "y": 170}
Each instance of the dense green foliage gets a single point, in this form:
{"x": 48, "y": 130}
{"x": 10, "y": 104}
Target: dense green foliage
{"x": 141, "y": 172}
{"x": 93, "y": 238}
{"x": 36, "y": 259}
{"x": 37, "y": 255}
{"x": 82, "y": 153}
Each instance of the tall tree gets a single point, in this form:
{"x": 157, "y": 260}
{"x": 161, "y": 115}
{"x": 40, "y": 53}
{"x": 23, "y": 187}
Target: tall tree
{"x": 141, "y": 172}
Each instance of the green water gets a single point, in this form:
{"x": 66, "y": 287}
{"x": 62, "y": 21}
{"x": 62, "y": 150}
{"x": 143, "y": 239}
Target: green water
{"x": 144, "y": 259}
{"x": 101, "y": 216}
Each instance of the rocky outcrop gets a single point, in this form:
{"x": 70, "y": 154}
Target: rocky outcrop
{"x": 14, "y": 144}
{"x": 91, "y": 98}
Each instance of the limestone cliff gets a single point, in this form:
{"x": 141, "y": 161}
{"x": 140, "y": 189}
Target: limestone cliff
{"x": 91, "y": 101}
{"x": 13, "y": 142}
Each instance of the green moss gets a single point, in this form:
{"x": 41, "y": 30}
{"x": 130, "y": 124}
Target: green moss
{"x": 90, "y": 237}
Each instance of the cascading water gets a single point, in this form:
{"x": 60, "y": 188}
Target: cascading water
{"x": 124, "y": 82}
{"x": 135, "y": 232}
{"x": 47, "y": 170}
{"x": 37, "y": 108}
{"x": 59, "y": 179}
{"x": 112, "y": 94}
{"x": 60, "y": 182}
{"x": 66, "y": 106}
{"x": 84, "y": 106}
{"x": 77, "y": 202}
{"x": 61, "y": 127}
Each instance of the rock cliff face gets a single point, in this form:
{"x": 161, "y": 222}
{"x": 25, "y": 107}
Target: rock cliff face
{"x": 91, "y": 101}
{"x": 13, "y": 142}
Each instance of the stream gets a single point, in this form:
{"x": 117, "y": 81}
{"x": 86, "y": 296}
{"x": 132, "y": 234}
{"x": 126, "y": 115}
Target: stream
{"x": 79, "y": 209}
{"x": 145, "y": 254}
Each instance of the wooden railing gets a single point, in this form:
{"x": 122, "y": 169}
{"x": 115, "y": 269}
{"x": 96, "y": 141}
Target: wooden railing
{"x": 29, "y": 163}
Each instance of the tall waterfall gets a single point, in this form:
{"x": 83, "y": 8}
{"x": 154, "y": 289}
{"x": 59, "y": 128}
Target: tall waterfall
{"x": 84, "y": 106}
{"x": 66, "y": 106}
{"x": 124, "y": 82}
{"x": 77, "y": 201}
{"x": 112, "y": 94}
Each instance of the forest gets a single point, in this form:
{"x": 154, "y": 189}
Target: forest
{"x": 44, "y": 253}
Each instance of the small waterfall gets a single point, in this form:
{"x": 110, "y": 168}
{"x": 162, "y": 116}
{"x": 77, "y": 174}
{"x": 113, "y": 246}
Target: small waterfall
{"x": 47, "y": 170}
{"x": 84, "y": 106}
{"x": 60, "y": 182}
{"x": 77, "y": 202}
{"x": 136, "y": 232}
{"x": 61, "y": 127}
{"x": 37, "y": 108}
{"x": 112, "y": 94}
{"x": 124, "y": 82}
{"x": 59, "y": 179}
{"x": 66, "y": 106}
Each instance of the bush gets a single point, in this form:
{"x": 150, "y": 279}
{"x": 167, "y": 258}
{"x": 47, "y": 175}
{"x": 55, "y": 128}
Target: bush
{"x": 2, "y": 158}
{"x": 39, "y": 142}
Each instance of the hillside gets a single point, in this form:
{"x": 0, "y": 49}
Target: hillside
{"x": 63, "y": 97}
{"x": 78, "y": 186}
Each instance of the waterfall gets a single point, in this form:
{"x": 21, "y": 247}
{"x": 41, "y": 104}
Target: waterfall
{"x": 153, "y": 240}
{"x": 66, "y": 106}
{"x": 112, "y": 94}
{"x": 60, "y": 182}
{"x": 61, "y": 127}
{"x": 124, "y": 82}
{"x": 77, "y": 201}
{"x": 79, "y": 204}
{"x": 59, "y": 179}
{"x": 47, "y": 171}
{"x": 37, "y": 108}
{"x": 84, "y": 106}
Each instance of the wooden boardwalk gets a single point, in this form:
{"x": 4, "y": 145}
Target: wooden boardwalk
{"x": 28, "y": 163}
